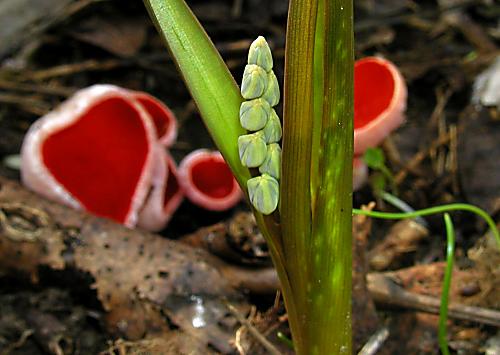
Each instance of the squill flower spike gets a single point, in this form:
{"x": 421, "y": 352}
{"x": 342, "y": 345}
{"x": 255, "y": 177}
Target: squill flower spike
{"x": 272, "y": 93}
{"x": 261, "y": 149}
{"x": 272, "y": 163}
{"x": 264, "y": 193}
{"x": 254, "y": 114}
{"x": 254, "y": 82}
{"x": 272, "y": 130}
{"x": 252, "y": 149}
{"x": 260, "y": 54}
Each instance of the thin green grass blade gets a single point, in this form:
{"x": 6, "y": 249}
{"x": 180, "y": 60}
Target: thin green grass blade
{"x": 207, "y": 77}
{"x": 445, "y": 293}
{"x": 435, "y": 210}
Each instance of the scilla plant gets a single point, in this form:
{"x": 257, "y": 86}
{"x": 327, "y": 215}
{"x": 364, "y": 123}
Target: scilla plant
{"x": 298, "y": 178}
{"x": 303, "y": 203}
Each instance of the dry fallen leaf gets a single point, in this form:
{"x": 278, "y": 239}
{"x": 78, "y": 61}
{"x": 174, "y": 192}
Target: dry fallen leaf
{"x": 121, "y": 36}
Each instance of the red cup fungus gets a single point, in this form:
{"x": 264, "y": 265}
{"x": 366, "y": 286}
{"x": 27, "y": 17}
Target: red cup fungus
{"x": 207, "y": 181}
{"x": 95, "y": 151}
{"x": 379, "y": 101}
{"x": 165, "y": 195}
{"x": 103, "y": 150}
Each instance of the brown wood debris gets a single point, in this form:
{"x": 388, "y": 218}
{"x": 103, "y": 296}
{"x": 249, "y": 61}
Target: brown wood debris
{"x": 144, "y": 282}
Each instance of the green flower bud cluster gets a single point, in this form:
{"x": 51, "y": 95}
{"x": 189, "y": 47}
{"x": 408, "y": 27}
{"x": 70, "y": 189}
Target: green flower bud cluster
{"x": 260, "y": 149}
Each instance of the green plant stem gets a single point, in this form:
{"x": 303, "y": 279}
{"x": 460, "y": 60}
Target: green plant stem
{"x": 443, "y": 309}
{"x": 388, "y": 175}
{"x": 435, "y": 210}
{"x": 316, "y": 186}
{"x": 400, "y": 204}
{"x": 330, "y": 253}
{"x": 295, "y": 196}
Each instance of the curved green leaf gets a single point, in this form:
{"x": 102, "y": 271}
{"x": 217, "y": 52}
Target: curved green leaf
{"x": 206, "y": 75}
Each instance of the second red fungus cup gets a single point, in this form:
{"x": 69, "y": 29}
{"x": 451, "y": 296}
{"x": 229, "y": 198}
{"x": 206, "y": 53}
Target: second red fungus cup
{"x": 379, "y": 101}
{"x": 208, "y": 182}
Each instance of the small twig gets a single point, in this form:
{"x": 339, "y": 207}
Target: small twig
{"x": 391, "y": 151}
{"x": 18, "y": 343}
{"x": 385, "y": 291}
{"x": 39, "y": 89}
{"x": 28, "y": 104}
{"x": 442, "y": 98}
{"x": 419, "y": 157}
{"x": 69, "y": 69}
{"x": 79, "y": 6}
{"x": 375, "y": 342}
{"x": 453, "y": 158}
{"x": 237, "y": 8}
{"x": 264, "y": 342}
{"x": 470, "y": 29}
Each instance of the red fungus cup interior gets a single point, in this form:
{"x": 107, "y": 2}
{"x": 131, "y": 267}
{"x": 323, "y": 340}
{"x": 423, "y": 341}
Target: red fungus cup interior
{"x": 373, "y": 90}
{"x": 212, "y": 177}
{"x": 100, "y": 157}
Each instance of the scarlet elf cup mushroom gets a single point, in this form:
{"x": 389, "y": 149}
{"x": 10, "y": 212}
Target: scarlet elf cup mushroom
{"x": 96, "y": 151}
{"x": 379, "y": 101}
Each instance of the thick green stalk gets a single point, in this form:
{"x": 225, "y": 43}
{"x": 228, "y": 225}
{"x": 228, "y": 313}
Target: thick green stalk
{"x": 295, "y": 194}
{"x": 330, "y": 253}
{"x": 317, "y": 172}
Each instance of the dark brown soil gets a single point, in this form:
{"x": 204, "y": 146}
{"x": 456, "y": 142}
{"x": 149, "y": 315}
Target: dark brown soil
{"x": 447, "y": 151}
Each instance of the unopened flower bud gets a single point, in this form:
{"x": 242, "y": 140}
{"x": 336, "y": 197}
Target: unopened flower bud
{"x": 272, "y": 130}
{"x": 260, "y": 54}
{"x": 272, "y": 163}
{"x": 254, "y": 114}
{"x": 264, "y": 193}
{"x": 252, "y": 149}
{"x": 254, "y": 82}
{"x": 272, "y": 92}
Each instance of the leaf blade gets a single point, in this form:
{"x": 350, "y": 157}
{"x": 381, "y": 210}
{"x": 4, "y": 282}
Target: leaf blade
{"x": 207, "y": 77}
